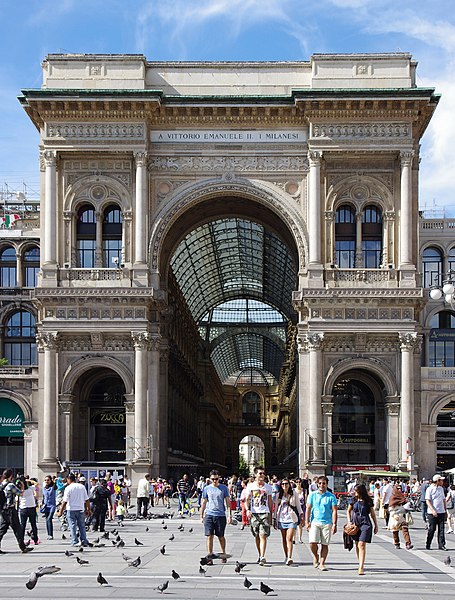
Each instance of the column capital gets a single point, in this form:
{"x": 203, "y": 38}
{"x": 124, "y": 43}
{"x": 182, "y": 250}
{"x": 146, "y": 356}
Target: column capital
{"x": 410, "y": 341}
{"x": 310, "y": 341}
{"x": 49, "y": 157}
{"x": 141, "y": 339}
{"x": 140, "y": 158}
{"x": 314, "y": 158}
{"x": 65, "y": 406}
{"x": 389, "y": 215}
{"x": 406, "y": 157}
{"x": 392, "y": 409}
{"x": 327, "y": 408}
{"x": 329, "y": 215}
{"x": 47, "y": 340}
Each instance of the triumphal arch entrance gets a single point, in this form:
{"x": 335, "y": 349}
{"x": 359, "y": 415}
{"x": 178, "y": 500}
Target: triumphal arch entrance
{"x": 229, "y": 253}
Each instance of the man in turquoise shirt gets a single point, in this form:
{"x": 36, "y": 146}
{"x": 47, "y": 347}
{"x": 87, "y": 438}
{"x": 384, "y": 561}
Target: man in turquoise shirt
{"x": 321, "y": 521}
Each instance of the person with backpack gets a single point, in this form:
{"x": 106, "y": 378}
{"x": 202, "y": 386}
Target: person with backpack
{"x": 100, "y": 499}
{"x": 9, "y": 491}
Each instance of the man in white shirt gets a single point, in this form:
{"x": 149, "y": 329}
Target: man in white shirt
{"x": 385, "y": 498}
{"x": 142, "y": 497}
{"x": 76, "y": 498}
{"x": 436, "y": 503}
{"x": 259, "y": 510}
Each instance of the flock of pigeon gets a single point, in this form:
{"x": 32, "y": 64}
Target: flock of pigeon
{"x": 118, "y": 542}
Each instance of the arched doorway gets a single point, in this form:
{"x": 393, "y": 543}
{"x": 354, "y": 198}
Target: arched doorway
{"x": 11, "y": 436}
{"x": 358, "y": 421}
{"x": 230, "y": 281}
{"x": 102, "y": 418}
{"x": 251, "y": 454}
{"x": 445, "y": 436}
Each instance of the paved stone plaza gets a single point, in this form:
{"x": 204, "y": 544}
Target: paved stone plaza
{"x": 417, "y": 573}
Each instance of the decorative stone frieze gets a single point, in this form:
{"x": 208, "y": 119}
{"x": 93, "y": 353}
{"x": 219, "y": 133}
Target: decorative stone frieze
{"x": 361, "y": 130}
{"x": 220, "y": 164}
{"x": 410, "y": 341}
{"x": 96, "y": 132}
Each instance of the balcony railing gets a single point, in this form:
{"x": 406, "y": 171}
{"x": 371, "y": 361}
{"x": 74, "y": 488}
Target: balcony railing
{"x": 361, "y": 277}
{"x": 438, "y": 372}
{"x": 79, "y": 277}
{"x": 437, "y": 225}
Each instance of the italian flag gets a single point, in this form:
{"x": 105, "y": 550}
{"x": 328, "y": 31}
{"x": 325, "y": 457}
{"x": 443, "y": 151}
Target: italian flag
{"x": 9, "y": 220}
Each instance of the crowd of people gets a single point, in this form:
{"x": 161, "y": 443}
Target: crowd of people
{"x": 259, "y": 502}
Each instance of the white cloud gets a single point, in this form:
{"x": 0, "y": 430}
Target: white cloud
{"x": 50, "y": 11}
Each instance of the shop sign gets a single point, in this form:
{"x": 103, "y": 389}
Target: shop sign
{"x": 345, "y": 468}
{"x": 107, "y": 416}
{"x": 442, "y": 335}
{"x": 352, "y": 438}
{"x": 11, "y": 419}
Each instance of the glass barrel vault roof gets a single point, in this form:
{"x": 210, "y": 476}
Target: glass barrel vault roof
{"x": 237, "y": 277}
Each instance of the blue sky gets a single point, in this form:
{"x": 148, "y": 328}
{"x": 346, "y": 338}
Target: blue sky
{"x": 227, "y": 30}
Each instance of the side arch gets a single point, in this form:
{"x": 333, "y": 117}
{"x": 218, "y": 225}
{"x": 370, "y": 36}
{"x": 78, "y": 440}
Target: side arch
{"x": 373, "y": 365}
{"x": 438, "y": 405}
{"x": 121, "y": 194}
{"x": 87, "y": 363}
{"x": 21, "y": 401}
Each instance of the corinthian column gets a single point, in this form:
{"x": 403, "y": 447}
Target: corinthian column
{"x": 155, "y": 413}
{"x": 66, "y": 410}
{"x": 47, "y": 343}
{"x": 315, "y": 434}
{"x": 408, "y": 343}
{"x": 314, "y": 208}
{"x": 141, "y": 343}
{"x": 406, "y": 210}
{"x": 140, "y": 209}
{"x": 48, "y": 228}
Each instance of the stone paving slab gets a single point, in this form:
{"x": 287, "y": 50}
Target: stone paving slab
{"x": 416, "y": 573}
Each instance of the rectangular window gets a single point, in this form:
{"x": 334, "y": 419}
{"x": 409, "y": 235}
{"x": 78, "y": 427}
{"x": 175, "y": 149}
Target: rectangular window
{"x": 8, "y": 277}
{"x": 371, "y": 250}
{"x": 111, "y": 249}
{"x": 31, "y": 274}
{"x": 345, "y": 254}
{"x": 86, "y": 253}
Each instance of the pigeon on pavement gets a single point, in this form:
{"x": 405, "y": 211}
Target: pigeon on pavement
{"x": 247, "y": 583}
{"x": 135, "y": 563}
{"x": 448, "y": 561}
{"x": 163, "y": 549}
{"x": 175, "y": 575}
{"x": 162, "y": 587}
{"x": 100, "y": 579}
{"x": 81, "y": 561}
{"x": 202, "y": 571}
{"x": 265, "y": 589}
{"x": 137, "y": 542}
{"x": 126, "y": 558}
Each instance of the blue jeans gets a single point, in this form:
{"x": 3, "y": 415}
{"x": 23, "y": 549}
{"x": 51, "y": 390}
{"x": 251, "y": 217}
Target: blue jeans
{"x": 49, "y": 512}
{"x": 182, "y": 501}
{"x": 76, "y": 522}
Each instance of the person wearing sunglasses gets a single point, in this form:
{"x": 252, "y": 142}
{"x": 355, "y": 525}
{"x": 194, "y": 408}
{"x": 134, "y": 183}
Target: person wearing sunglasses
{"x": 259, "y": 510}
{"x": 321, "y": 521}
{"x": 288, "y": 514}
{"x": 214, "y": 507}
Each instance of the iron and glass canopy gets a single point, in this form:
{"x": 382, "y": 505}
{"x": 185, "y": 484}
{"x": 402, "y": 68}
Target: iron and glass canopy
{"x": 237, "y": 279}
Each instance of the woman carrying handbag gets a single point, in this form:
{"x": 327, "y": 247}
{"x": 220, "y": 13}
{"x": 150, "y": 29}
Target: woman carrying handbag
{"x": 361, "y": 513}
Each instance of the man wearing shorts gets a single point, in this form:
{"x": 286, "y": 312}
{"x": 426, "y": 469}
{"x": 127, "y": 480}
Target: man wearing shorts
{"x": 214, "y": 505}
{"x": 259, "y": 510}
{"x": 321, "y": 520}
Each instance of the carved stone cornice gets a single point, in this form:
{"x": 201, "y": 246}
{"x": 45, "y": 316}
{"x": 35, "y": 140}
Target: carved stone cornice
{"x": 47, "y": 340}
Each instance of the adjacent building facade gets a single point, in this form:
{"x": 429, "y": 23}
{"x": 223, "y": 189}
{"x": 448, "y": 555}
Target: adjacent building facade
{"x": 227, "y": 251}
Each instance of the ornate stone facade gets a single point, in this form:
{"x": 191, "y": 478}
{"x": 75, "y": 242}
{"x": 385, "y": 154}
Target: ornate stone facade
{"x": 295, "y": 158}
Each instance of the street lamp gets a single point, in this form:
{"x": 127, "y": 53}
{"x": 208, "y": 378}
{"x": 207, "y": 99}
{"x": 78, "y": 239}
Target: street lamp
{"x": 447, "y": 290}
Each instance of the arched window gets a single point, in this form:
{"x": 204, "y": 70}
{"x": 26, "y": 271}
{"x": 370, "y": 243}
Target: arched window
{"x": 8, "y": 267}
{"x": 372, "y": 237}
{"x": 451, "y": 259}
{"x": 432, "y": 267}
{"x": 441, "y": 345}
{"x": 112, "y": 236}
{"x": 20, "y": 341}
{"x": 86, "y": 237}
{"x": 345, "y": 236}
{"x": 31, "y": 266}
